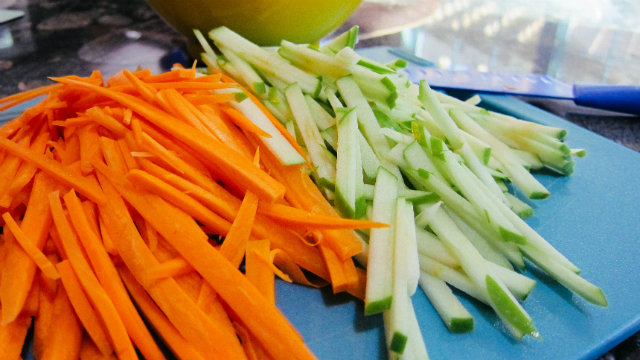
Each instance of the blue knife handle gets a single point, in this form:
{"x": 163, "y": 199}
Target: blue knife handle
{"x": 619, "y": 98}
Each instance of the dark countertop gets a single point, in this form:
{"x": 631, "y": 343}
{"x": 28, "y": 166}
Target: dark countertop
{"x": 65, "y": 37}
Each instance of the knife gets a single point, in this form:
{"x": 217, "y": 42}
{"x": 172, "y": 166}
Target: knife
{"x": 620, "y": 98}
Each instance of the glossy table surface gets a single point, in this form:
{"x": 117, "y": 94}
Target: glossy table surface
{"x": 575, "y": 41}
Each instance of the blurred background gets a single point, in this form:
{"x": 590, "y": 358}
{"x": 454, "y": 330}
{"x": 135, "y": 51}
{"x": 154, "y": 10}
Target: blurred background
{"x": 595, "y": 41}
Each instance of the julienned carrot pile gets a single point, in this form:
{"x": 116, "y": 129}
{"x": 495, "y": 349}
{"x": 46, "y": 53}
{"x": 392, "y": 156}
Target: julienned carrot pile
{"x": 115, "y": 194}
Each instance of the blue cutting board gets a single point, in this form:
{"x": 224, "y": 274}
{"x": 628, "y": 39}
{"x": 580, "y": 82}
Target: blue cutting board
{"x": 591, "y": 217}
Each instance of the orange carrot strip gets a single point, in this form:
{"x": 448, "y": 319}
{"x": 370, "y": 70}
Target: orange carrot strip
{"x": 89, "y": 147}
{"x": 225, "y": 129}
{"x": 241, "y": 121}
{"x": 284, "y": 263}
{"x": 234, "y": 245}
{"x": 10, "y": 166}
{"x": 228, "y": 163}
{"x": 272, "y": 118}
{"x": 209, "y": 99}
{"x": 183, "y": 313}
{"x": 109, "y": 279}
{"x": 55, "y": 170}
{"x": 263, "y": 319}
{"x": 190, "y": 85}
{"x": 147, "y": 92}
{"x": 245, "y": 339}
{"x": 339, "y": 280}
{"x": 112, "y": 155}
{"x": 107, "y": 121}
{"x": 136, "y": 127}
{"x": 89, "y": 351}
{"x": 302, "y": 193}
{"x": 213, "y": 221}
{"x": 42, "y": 323}
{"x": 257, "y": 269}
{"x": 19, "y": 270}
{"x": 151, "y": 236}
{"x": 359, "y": 289}
{"x": 173, "y": 75}
{"x": 292, "y": 216}
{"x": 127, "y": 115}
{"x": 160, "y": 322}
{"x": 74, "y": 122}
{"x": 30, "y": 248}
{"x": 89, "y": 210}
{"x": 96, "y": 293}
{"x": 185, "y": 110}
{"x": 215, "y": 197}
{"x": 25, "y": 173}
{"x": 64, "y": 337}
{"x": 12, "y": 336}
{"x": 350, "y": 273}
{"x": 170, "y": 268}
{"x": 178, "y": 149}
{"x": 181, "y": 166}
{"x": 125, "y": 152}
{"x": 227, "y": 205}
{"x": 32, "y": 303}
{"x": 82, "y": 306}
{"x": 106, "y": 238}
{"x": 19, "y": 98}
{"x": 211, "y": 305}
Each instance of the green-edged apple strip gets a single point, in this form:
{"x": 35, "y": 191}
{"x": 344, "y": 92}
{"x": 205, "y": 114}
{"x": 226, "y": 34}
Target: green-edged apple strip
{"x": 454, "y": 277}
{"x": 313, "y": 61}
{"x": 520, "y": 177}
{"x": 423, "y": 179}
{"x": 277, "y": 143}
{"x": 416, "y": 158}
{"x": 370, "y": 161}
{"x": 330, "y": 136}
{"x": 429, "y": 245}
{"x": 515, "y": 318}
{"x": 471, "y": 107}
{"x": 399, "y": 311}
{"x": 520, "y": 285}
{"x": 481, "y": 171}
{"x": 321, "y": 117}
{"x": 474, "y": 191}
{"x": 416, "y": 348}
{"x": 528, "y": 160}
{"x": 245, "y": 74}
{"x": 405, "y": 229}
{"x": 512, "y": 132}
{"x": 487, "y": 249}
{"x": 479, "y": 147}
{"x": 533, "y": 239}
{"x": 266, "y": 61}
{"x": 395, "y": 156}
{"x": 518, "y": 206}
{"x": 348, "y": 173}
{"x": 367, "y": 122}
{"x": 454, "y": 315}
{"x": 440, "y": 115}
{"x": 379, "y": 287}
{"x": 353, "y": 97}
{"x": 566, "y": 277}
{"x": 323, "y": 161}
{"x": 345, "y": 39}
